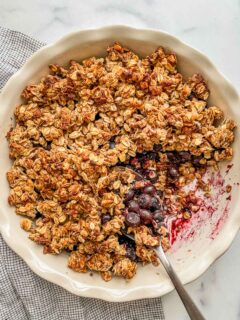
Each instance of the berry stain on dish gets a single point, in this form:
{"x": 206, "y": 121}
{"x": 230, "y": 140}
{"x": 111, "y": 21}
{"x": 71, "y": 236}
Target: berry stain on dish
{"x": 83, "y": 121}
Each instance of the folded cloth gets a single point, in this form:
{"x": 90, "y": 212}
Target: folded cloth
{"x": 23, "y": 294}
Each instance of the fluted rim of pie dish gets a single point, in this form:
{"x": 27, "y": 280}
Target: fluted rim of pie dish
{"x": 221, "y": 243}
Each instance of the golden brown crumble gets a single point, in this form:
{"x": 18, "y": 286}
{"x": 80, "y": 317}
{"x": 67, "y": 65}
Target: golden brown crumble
{"x": 78, "y": 122}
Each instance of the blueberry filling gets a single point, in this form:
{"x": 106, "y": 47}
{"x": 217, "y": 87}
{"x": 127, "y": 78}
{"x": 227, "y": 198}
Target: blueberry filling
{"x": 147, "y": 205}
{"x": 130, "y": 247}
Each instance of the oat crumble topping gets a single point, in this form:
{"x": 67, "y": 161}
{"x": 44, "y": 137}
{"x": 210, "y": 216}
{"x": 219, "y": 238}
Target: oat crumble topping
{"x": 79, "y": 123}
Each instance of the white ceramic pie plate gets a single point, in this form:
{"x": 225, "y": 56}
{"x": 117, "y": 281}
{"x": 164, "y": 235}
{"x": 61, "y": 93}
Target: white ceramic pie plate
{"x": 190, "y": 257}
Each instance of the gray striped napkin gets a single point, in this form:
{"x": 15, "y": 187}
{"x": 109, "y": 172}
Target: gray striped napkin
{"x": 24, "y": 295}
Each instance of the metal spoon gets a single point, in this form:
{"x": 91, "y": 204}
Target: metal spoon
{"x": 190, "y": 306}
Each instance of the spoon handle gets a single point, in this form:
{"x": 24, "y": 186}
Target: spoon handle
{"x": 190, "y": 306}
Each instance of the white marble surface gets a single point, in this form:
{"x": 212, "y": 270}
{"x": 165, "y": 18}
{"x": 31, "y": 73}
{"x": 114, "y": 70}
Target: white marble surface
{"x": 213, "y": 26}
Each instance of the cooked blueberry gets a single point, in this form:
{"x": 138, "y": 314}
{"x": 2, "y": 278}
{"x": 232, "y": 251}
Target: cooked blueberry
{"x": 158, "y": 216}
{"x": 158, "y": 224}
{"x": 185, "y": 156}
{"x": 127, "y": 241}
{"x": 172, "y": 171}
{"x": 138, "y": 191}
{"x": 112, "y": 144}
{"x": 133, "y": 206}
{"x": 154, "y": 205}
{"x": 191, "y": 96}
{"x": 146, "y": 216}
{"x": 151, "y": 155}
{"x": 149, "y": 190}
{"x": 132, "y": 219}
{"x": 144, "y": 201}
{"x": 129, "y": 196}
{"x": 106, "y": 218}
{"x": 131, "y": 253}
{"x": 158, "y": 147}
{"x": 142, "y": 155}
{"x": 196, "y": 161}
{"x": 173, "y": 157}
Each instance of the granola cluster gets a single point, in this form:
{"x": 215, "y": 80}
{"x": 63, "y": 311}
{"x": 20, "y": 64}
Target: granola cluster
{"x": 79, "y": 124}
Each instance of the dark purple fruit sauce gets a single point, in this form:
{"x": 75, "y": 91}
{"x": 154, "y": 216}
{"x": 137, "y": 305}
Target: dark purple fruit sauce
{"x": 144, "y": 204}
